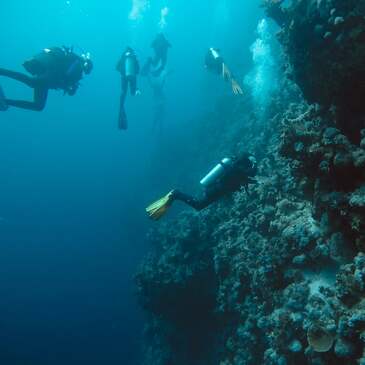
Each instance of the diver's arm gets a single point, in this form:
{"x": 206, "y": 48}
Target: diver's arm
{"x": 119, "y": 65}
{"x": 72, "y": 82}
{"x": 72, "y": 90}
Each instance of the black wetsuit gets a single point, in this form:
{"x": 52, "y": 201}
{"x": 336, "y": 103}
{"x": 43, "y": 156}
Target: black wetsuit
{"x": 56, "y": 68}
{"x": 238, "y": 174}
{"x": 128, "y": 66}
{"x": 128, "y": 80}
{"x": 157, "y": 84}
{"x": 214, "y": 64}
{"x": 161, "y": 46}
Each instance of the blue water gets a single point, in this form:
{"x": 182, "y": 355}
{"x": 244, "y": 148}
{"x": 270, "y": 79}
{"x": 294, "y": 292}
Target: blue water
{"x": 74, "y": 187}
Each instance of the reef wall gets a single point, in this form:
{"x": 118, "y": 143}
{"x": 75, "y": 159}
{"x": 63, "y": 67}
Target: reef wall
{"x": 274, "y": 275}
{"x": 324, "y": 42}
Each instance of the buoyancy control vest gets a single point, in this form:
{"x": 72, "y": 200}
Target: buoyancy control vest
{"x": 59, "y": 65}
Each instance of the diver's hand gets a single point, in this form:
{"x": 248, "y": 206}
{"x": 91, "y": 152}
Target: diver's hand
{"x": 71, "y": 90}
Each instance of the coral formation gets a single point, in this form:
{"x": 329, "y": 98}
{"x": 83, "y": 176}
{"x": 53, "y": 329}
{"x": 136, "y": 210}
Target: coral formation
{"x": 275, "y": 274}
{"x": 324, "y": 45}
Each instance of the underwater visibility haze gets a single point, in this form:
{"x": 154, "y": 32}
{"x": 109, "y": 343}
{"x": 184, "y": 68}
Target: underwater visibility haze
{"x": 186, "y": 185}
{"x": 74, "y": 187}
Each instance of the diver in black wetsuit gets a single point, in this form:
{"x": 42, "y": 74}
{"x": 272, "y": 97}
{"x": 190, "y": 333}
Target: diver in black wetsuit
{"x": 128, "y": 67}
{"x": 56, "y": 68}
{"x": 161, "y": 47}
{"x": 215, "y": 63}
{"x": 157, "y": 84}
{"x": 227, "y": 177}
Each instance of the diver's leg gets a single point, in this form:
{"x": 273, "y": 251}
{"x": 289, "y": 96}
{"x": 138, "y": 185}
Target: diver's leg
{"x": 123, "y": 95}
{"x": 164, "y": 60}
{"x": 159, "y": 117}
{"x": 196, "y": 203}
{"x": 18, "y": 76}
{"x": 38, "y": 104}
{"x": 3, "y": 104}
{"x": 161, "y": 61}
{"x": 122, "y": 118}
{"x": 133, "y": 85}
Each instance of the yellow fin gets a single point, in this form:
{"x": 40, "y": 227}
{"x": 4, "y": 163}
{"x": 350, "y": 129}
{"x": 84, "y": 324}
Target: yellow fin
{"x": 157, "y": 209}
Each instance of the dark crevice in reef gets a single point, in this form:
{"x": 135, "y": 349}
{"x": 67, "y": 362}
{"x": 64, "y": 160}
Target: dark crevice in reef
{"x": 274, "y": 275}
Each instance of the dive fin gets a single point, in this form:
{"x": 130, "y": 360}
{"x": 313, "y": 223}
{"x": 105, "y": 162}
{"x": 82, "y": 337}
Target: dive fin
{"x": 236, "y": 88}
{"x": 226, "y": 73}
{"x": 157, "y": 209}
{"x": 122, "y": 120}
{"x": 3, "y": 104}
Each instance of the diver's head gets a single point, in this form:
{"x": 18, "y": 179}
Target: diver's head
{"x": 129, "y": 51}
{"x": 87, "y": 65}
{"x": 244, "y": 157}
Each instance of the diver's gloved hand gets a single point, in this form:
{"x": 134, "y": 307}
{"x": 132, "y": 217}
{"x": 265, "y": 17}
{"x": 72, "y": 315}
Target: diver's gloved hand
{"x": 236, "y": 88}
{"x": 71, "y": 90}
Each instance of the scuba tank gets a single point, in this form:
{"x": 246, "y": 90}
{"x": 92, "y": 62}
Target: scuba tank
{"x": 130, "y": 64}
{"x": 214, "y": 53}
{"x": 217, "y": 172}
{"x": 50, "y": 59}
{"x": 39, "y": 64}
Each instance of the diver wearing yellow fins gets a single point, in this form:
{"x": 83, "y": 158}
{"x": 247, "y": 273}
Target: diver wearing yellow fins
{"x": 214, "y": 63}
{"x": 225, "y": 178}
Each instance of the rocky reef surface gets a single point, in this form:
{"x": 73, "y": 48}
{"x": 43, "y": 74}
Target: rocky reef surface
{"x": 275, "y": 274}
{"x": 324, "y": 42}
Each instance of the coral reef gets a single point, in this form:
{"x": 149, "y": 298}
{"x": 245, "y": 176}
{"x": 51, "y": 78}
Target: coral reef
{"x": 324, "y": 45}
{"x": 275, "y": 274}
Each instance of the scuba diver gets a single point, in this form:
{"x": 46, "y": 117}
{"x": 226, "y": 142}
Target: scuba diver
{"x": 157, "y": 84}
{"x": 214, "y": 63}
{"x": 160, "y": 46}
{"x": 56, "y": 68}
{"x": 128, "y": 66}
{"x": 226, "y": 178}
{"x": 155, "y": 70}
